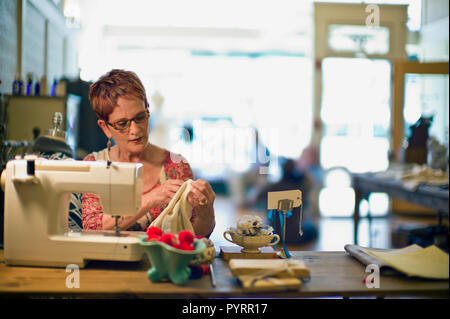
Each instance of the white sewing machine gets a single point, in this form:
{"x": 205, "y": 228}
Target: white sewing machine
{"x": 37, "y": 195}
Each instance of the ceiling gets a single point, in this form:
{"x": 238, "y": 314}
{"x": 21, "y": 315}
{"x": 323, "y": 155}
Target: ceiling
{"x": 208, "y": 25}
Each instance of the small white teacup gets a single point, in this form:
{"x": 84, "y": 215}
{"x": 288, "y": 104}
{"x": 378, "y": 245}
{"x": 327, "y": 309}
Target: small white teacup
{"x": 250, "y": 244}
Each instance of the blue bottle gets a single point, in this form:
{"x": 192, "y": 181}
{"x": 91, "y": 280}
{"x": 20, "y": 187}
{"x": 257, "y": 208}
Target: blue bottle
{"x": 29, "y": 84}
{"x": 17, "y": 85}
{"x": 37, "y": 88}
{"x": 53, "y": 89}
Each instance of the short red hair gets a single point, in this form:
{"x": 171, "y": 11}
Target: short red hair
{"x": 110, "y": 87}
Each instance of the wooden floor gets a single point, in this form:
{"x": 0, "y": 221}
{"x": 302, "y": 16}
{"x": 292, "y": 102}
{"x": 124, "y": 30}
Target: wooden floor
{"x": 334, "y": 233}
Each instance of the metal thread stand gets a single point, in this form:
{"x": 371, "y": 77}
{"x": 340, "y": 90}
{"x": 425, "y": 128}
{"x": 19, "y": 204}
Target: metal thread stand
{"x": 284, "y": 206}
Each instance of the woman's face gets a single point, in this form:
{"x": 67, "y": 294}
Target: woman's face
{"x": 131, "y": 139}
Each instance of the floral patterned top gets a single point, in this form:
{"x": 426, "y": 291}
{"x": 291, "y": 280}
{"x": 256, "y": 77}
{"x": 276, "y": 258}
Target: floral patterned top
{"x": 175, "y": 166}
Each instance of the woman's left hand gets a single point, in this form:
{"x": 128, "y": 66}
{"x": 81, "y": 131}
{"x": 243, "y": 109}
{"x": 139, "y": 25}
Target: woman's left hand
{"x": 201, "y": 196}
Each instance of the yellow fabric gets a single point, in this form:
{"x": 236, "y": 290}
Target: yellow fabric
{"x": 250, "y": 282}
{"x": 430, "y": 262}
{"x": 282, "y": 268}
{"x": 177, "y": 215}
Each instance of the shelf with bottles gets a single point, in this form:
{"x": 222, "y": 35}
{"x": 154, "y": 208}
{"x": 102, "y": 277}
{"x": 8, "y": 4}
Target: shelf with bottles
{"x": 38, "y": 87}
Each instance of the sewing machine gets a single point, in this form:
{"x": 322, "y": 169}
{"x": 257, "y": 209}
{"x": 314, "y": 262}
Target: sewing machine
{"x": 37, "y": 195}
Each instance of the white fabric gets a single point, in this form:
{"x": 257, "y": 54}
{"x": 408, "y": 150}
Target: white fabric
{"x": 177, "y": 215}
{"x": 102, "y": 155}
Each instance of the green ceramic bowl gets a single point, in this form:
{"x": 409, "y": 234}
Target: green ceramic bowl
{"x": 167, "y": 261}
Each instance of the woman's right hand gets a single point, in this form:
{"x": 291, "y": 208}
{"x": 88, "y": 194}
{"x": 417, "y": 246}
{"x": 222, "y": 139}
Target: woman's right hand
{"x": 161, "y": 195}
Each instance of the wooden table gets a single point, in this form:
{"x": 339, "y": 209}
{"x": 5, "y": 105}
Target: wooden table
{"x": 332, "y": 274}
{"x": 428, "y": 196}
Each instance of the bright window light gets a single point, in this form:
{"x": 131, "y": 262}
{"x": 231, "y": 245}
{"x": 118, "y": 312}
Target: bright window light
{"x": 337, "y": 202}
{"x": 356, "y": 114}
{"x": 337, "y": 177}
{"x": 378, "y": 204}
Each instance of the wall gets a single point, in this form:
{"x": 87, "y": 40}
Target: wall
{"x": 34, "y": 38}
{"x": 8, "y": 43}
{"x": 434, "y": 31}
{"x": 434, "y": 10}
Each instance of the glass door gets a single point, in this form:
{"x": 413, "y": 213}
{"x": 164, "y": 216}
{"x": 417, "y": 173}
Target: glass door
{"x": 353, "y": 97}
{"x": 355, "y": 113}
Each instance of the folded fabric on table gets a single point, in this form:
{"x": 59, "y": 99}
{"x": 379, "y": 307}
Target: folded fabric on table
{"x": 414, "y": 261}
{"x": 426, "y": 176}
{"x": 269, "y": 274}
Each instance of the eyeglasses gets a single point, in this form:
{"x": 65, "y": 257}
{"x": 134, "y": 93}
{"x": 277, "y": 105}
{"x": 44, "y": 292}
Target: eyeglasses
{"x": 124, "y": 125}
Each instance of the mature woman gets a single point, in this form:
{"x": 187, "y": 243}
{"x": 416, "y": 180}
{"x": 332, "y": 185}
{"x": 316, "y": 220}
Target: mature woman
{"x": 119, "y": 100}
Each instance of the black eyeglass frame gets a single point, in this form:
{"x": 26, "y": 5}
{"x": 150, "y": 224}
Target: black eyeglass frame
{"x": 127, "y": 127}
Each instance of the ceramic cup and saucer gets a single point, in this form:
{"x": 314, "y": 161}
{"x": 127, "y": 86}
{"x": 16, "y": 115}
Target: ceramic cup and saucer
{"x": 251, "y": 244}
